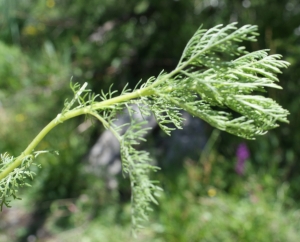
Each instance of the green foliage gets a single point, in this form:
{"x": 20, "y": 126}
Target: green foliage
{"x": 194, "y": 207}
{"x": 205, "y": 83}
{"x": 225, "y": 218}
{"x": 10, "y": 72}
{"x": 138, "y": 164}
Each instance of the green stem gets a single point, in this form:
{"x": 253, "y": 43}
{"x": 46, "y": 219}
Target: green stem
{"x": 69, "y": 115}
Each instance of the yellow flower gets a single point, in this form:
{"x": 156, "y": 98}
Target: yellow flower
{"x": 50, "y": 3}
{"x": 212, "y": 192}
{"x": 20, "y": 117}
{"x": 30, "y": 30}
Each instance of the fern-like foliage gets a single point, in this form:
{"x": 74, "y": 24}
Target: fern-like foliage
{"x": 17, "y": 178}
{"x": 209, "y": 85}
{"x": 137, "y": 164}
{"x": 214, "y": 80}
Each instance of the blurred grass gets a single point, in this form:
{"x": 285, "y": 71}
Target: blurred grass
{"x": 252, "y": 211}
{"x": 182, "y": 216}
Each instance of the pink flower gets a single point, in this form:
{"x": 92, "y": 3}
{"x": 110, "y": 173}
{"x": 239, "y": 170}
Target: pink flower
{"x": 242, "y": 154}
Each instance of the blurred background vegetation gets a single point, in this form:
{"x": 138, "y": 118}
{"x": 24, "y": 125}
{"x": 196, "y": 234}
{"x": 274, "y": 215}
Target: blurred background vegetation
{"x": 43, "y": 43}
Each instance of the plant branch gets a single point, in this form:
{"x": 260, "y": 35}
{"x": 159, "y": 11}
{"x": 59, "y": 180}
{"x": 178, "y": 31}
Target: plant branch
{"x": 69, "y": 115}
